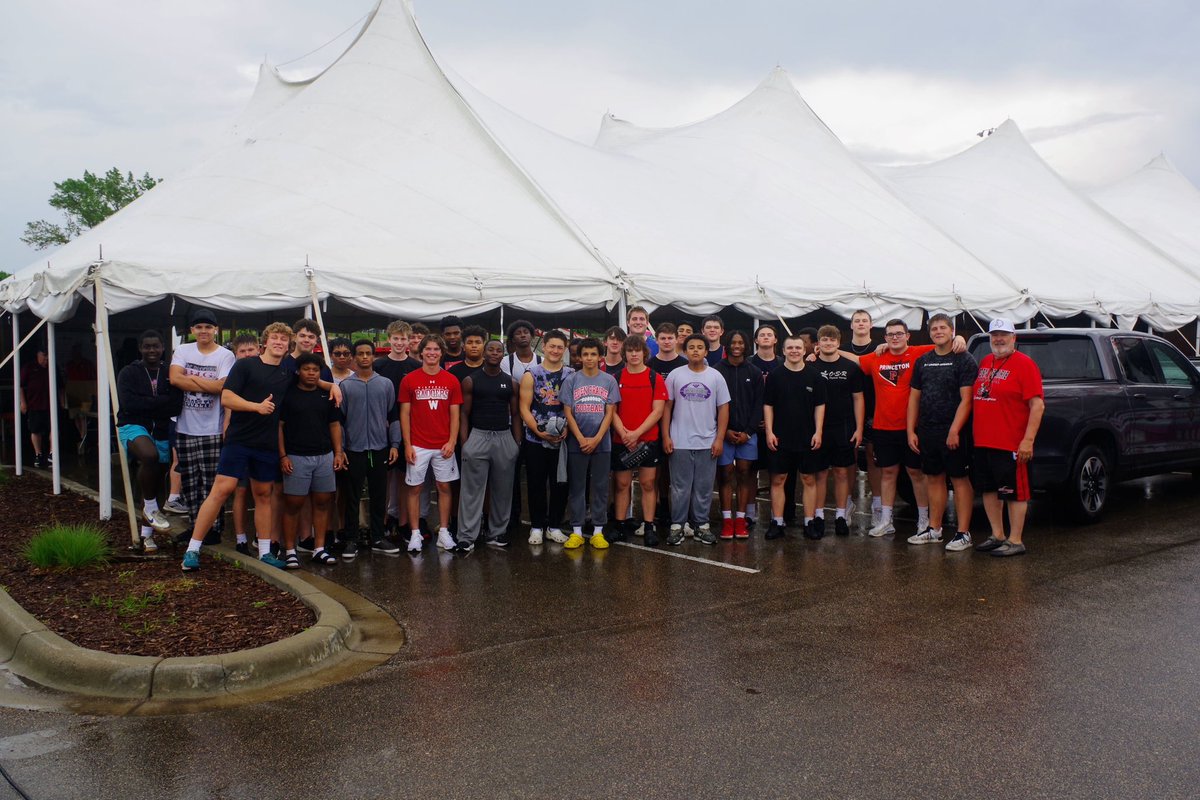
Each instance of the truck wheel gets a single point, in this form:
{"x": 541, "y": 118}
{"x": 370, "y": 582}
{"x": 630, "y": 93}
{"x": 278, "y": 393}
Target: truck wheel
{"x": 1086, "y": 491}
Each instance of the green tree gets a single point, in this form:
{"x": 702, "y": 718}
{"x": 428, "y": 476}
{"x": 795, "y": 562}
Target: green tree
{"x": 85, "y": 203}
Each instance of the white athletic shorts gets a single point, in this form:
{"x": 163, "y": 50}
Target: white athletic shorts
{"x": 444, "y": 469}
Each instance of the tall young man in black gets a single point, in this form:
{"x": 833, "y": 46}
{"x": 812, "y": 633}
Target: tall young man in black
{"x": 794, "y": 413}
{"x": 843, "y": 431}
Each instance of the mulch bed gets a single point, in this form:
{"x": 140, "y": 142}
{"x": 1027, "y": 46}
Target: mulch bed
{"x": 144, "y": 606}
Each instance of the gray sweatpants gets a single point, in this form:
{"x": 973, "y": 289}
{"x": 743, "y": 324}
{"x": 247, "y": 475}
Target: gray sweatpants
{"x": 488, "y": 462}
{"x": 692, "y": 476}
{"x": 578, "y": 487}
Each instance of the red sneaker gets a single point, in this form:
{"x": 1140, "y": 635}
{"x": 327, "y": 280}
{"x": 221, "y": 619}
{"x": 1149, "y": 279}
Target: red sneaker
{"x": 727, "y": 529}
{"x": 740, "y": 529}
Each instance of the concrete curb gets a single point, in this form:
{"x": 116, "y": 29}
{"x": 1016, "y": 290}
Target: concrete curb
{"x": 32, "y": 651}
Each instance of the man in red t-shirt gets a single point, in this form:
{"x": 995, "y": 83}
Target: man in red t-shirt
{"x": 1006, "y": 414}
{"x": 430, "y": 398}
{"x": 890, "y": 371}
{"x": 643, "y": 397}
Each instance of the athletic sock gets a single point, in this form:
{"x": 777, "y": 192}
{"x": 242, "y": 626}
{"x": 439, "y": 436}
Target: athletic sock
{"x": 819, "y": 513}
{"x": 750, "y": 509}
{"x": 194, "y": 545}
{"x": 778, "y": 521}
{"x": 726, "y": 514}
{"x": 241, "y": 538}
{"x": 885, "y": 514}
{"x": 577, "y": 530}
{"x": 938, "y": 531}
{"x": 264, "y": 547}
{"x": 150, "y": 506}
{"x": 291, "y": 551}
{"x": 841, "y": 513}
{"x": 876, "y": 503}
{"x": 922, "y": 516}
{"x": 147, "y": 531}
{"x": 807, "y": 520}
{"x": 173, "y": 498}
{"x": 444, "y": 530}
{"x": 741, "y": 515}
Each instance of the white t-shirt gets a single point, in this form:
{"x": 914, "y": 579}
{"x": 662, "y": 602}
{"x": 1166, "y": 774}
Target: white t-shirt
{"x": 514, "y": 366}
{"x": 697, "y": 396}
{"x": 201, "y": 414}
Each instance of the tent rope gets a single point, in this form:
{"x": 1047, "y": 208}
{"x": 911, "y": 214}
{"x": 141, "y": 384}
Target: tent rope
{"x": 770, "y": 305}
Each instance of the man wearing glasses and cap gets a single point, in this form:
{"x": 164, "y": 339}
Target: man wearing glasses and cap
{"x": 1007, "y": 407}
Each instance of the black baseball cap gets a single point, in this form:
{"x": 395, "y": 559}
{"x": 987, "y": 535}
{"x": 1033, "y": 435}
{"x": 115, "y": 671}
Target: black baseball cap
{"x": 200, "y": 316}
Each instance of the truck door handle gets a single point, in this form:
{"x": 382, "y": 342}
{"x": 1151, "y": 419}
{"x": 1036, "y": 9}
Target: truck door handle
{"x": 1139, "y": 395}
{"x": 1179, "y": 397}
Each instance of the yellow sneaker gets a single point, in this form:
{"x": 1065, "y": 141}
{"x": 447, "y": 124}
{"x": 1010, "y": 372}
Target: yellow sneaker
{"x": 573, "y": 541}
{"x": 598, "y": 541}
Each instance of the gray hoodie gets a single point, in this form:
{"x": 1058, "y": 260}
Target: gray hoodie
{"x": 372, "y": 417}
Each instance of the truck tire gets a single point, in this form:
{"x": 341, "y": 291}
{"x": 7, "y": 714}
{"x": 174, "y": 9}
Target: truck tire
{"x": 1085, "y": 493}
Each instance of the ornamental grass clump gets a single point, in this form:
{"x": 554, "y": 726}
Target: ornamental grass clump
{"x": 69, "y": 547}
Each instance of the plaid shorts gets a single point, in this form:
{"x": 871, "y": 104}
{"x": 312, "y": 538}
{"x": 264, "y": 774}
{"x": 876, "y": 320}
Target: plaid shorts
{"x": 198, "y": 459}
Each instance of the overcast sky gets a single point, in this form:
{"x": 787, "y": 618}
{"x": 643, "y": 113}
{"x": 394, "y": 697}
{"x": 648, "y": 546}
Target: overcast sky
{"x": 1099, "y": 87}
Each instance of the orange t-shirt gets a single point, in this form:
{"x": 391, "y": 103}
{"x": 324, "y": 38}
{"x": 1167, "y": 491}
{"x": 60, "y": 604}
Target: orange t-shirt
{"x": 891, "y": 375}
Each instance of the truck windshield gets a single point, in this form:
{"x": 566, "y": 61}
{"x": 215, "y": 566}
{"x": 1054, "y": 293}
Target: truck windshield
{"x": 1064, "y": 358}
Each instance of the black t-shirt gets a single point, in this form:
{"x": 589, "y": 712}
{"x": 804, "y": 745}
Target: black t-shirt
{"x": 394, "y": 370}
{"x": 842, "y": 379}
{"x": 665, "y": 368}
{"x": 253, "y": 380}
{"x": 447, "y": 361}
{"x": 868, "y": 385}
{"x": 939, "y": 379}
{"x": 764, "y": 366}
{"x": 306, "y": 416}
{"x": 794, "y": 396}
{"x": 490, "y": 401}
{"x": 461, "y": 370}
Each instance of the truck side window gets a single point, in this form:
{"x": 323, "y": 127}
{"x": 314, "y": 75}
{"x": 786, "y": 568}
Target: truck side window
{"x": 1135, "y": 360}
{"x": 1172, "y": 364}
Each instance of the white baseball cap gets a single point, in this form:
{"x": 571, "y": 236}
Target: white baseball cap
{"x": 1001, "y": 325}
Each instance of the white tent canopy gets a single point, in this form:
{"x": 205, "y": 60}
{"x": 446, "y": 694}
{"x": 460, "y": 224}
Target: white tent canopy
{"x": 1001, "y": 201}
{"x": 789, "y": 207}
{"x": 376, "y": 174}
{"x": 1162, "y": 205}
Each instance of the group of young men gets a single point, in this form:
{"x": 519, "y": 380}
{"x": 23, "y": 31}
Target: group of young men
{"x": 459, "y": 416}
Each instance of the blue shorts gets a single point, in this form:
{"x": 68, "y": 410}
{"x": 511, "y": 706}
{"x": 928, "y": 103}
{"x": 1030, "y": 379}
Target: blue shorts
{"x": 239, "y": 461}
{"x": 127, "y": 433}
{"x": 741, "y": 452}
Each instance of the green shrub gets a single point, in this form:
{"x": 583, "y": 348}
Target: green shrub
{"x": 68, "y": 546}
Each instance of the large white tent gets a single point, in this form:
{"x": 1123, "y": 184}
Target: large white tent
{"x": 1162, "y": 205}
{"x": 1002, "y": 202}
{"x": 376, "y": 175}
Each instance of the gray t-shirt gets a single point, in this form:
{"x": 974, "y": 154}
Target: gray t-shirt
{"x": 202, "y": 414}
{"x": 696, "y": 397}
{"x": 588, "y": 397}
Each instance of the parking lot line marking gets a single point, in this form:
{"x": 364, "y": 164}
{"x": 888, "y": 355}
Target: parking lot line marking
{"x": 686, "y": 557}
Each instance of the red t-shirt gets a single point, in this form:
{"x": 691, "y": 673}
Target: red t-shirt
{"x": 890, "y": 375}
{"x": 637, "y": 401}
{"x": 430, "y": 397}
{"x": 1003, "y": 389}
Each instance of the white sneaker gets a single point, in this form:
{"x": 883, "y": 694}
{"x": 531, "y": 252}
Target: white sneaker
{"x": 876, "y": 516}
{"x": 882, "y": 529}
{"x": 554, "y": 535}
{"x": 156, "y": 520}
{"x": 927, "y": 536}
{"x": 961, "y": 541}
{"x": 415, "y": 542}
{"x": 148, "y": 545}
{"x": 446, "y": 541}
{"x": 535, "y": 536}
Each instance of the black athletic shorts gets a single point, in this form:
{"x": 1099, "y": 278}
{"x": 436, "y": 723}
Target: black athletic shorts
{"x": 809, "y": 462}
{"x": 999, "y": 471}
{"x": 891, "y": 449}
{"x": 836, "y": 446}
{"x": 38, "y": 422}
{"x": 938, "y": 459}
{"x": 619, "y": 450}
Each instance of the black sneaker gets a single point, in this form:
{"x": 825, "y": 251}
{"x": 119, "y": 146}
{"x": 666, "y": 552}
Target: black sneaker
{"x": 307, "y": 545}
{"x": 818, "y": 527}
{"x": 464, "y": 548}
{"x": 775, "y": 531}
{"x": 349, "y": 550}
{"x": 841, "y": 527}
{"x": 243, "y": 548}
{"x": 385, "y": 547}
{"x": 499, "y": 541}
{"x": 649, "y": 535}
{"x": 618, "y": 530}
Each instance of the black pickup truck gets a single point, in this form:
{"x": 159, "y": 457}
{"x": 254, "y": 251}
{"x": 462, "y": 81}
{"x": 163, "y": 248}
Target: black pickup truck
{"x": 1119, "y": 405}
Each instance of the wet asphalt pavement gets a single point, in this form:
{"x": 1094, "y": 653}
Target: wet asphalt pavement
{"x": 845, "y": 668}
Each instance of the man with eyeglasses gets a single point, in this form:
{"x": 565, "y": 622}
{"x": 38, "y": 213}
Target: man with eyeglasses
{"x": 1006, "y": 413}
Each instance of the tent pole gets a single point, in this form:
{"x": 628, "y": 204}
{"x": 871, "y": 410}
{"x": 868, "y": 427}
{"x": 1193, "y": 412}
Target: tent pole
{"x": 55, "y": 456}
{"x": 622, "y": 305}
{"x": 103, "y": 444}
{"x": 16, "y": 357}
{"x": 115, "y": 407}
{"x": 503, "y": 330}
{"x": 315, "y": 308}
